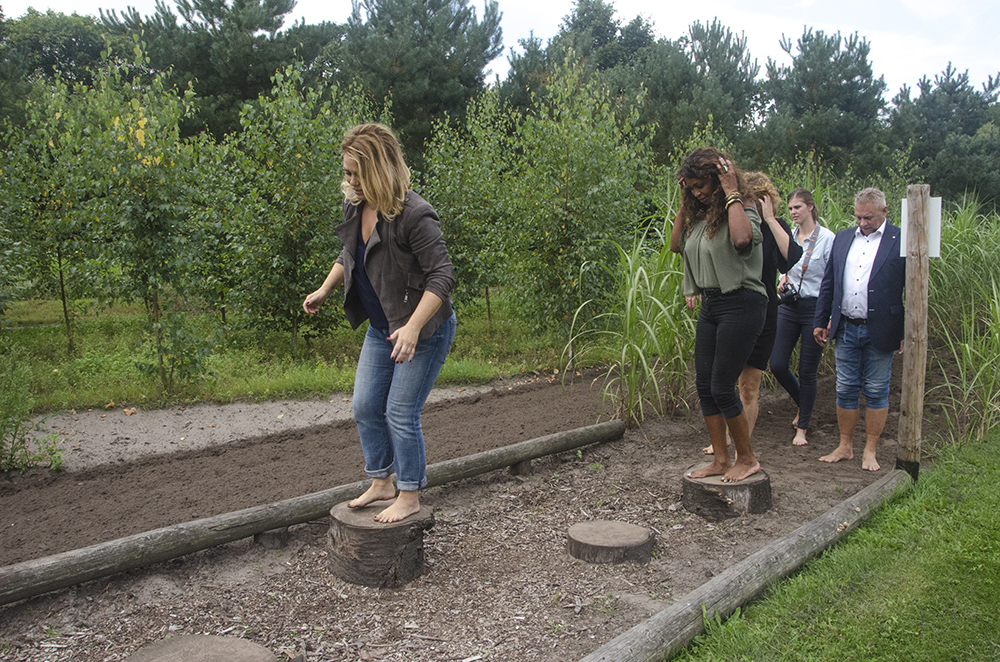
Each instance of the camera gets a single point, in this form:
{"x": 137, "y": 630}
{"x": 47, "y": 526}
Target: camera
{"x": 788, "y": 294}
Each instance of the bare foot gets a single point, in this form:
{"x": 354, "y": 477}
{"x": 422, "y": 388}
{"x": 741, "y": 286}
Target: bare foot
{"x": 841, "y": 453}
{"x": 868, "y": 462}
{"x": 717, "y": 468}
{"x": 708, "y": 450}
{"x": 381, "y": 489}
{"x": 406, "y": 504}
{"x": 740, "y": 471}
{"x": 795, "y": 423}
{"x": 800, "y": 438}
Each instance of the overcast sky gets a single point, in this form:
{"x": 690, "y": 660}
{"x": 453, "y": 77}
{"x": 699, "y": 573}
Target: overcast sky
{"x": 909, "y": 38}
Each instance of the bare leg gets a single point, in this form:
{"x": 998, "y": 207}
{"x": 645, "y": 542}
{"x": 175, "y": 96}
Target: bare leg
{"x": 800, "y": 437}
{"x": 746, "y": 464}
{"x": 847, "y": 419}
{"x": 750, "y": 396}
{"x": 720, "y": 463}
{"x": 381, "y": 489}
{"x": 406, "y": 504}
{"x": 874, "y": 424}
{"x": 795, "y": 423}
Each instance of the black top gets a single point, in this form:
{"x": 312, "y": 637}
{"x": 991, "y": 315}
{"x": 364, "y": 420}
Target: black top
{"x": 774, "y": 262}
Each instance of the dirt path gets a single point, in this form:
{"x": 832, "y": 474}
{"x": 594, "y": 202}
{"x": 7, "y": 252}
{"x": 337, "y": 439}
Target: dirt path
{"x": 498, "y": 582}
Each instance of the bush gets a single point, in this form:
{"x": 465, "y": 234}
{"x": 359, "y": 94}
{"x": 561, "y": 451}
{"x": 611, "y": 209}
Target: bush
{"x": 15, "y": 415}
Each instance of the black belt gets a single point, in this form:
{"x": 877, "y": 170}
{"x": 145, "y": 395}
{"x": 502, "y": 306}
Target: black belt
{"x": 856, "y": 321}
{"x": 710, "y": 292}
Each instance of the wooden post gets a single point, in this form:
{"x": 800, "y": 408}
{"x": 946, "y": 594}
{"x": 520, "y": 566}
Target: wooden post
{"x": 911, "y": 409}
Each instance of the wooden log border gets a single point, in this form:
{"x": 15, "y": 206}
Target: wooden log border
{"x": 38, "y": 576}
{"x": 663, "y": 635}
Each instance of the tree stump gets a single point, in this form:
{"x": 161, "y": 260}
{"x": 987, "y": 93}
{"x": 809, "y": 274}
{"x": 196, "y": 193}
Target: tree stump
{"x": 371, "y": 553}
{"x": 202, "y": 648}
{"x": 602, "y": 541}
{"x": 716, "y": 501}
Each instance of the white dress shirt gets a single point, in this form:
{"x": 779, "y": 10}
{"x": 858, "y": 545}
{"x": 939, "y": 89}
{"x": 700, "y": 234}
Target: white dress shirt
{"x": 857, "y": 271}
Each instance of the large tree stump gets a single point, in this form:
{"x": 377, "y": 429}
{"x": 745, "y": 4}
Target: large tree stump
{"x": 371, "y": 553}
{"x": 715, "y": 500}
{"x": 601, "y": 541}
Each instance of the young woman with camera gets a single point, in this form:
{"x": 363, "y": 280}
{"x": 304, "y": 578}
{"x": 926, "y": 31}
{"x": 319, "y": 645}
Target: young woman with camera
{"x": 797, "y": 292}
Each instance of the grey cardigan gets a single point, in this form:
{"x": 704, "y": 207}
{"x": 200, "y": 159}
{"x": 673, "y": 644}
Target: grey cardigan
{"x": 405, "y": 257}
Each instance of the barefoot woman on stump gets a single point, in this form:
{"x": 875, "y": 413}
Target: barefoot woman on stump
{"x": 717, "y": 230}
{"x": 396, "y": 274}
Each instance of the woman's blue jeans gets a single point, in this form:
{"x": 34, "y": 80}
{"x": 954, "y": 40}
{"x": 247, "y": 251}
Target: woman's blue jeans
{"x": 795, "y": 322}
{"x": 728, "y": 326}
{"x": 388, "y": 400}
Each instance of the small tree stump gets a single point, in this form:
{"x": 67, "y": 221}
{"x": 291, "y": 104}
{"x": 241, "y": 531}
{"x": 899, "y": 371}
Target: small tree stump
{"x": 602, "y": 541}
{"x": 371, "y": 553}
{"x": 202, "y": 648}
{"x": 715, "y": 500}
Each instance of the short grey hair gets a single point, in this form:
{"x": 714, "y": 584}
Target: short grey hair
{"x": 871, "y": 196}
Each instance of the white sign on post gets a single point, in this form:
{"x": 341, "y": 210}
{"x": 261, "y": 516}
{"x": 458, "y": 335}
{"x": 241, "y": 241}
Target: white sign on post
{"x": 933, "y": 228}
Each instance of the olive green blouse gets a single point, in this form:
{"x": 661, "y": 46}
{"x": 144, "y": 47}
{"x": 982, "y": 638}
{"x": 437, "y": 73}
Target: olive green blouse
{"x": 715, "y": 262}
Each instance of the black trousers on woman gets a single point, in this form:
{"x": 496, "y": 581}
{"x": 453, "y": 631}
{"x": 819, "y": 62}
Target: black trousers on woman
{"x": 728, "y": 325}
{"x": 795, "y": 322}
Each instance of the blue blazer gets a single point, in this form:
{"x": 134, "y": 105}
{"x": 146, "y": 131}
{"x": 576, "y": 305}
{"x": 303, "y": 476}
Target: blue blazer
{"x": 886, "y": 318}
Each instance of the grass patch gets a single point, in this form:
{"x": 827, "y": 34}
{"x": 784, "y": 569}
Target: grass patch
{"x": 920, "y": 581}
{"x": 246, "y": 365}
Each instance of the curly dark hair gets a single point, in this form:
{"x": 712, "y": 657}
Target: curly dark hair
{"x": 703, "y": 163}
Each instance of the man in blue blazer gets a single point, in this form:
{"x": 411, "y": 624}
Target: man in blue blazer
{"x": 860, "y": 305}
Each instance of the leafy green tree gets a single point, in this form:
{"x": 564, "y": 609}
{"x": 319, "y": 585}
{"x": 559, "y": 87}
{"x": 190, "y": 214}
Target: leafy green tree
{"x": 576, "y": 189}
{"x": 54, "y": 42}
{"x": 429, "y": 56}
{"x": 596, "y": 36}
{"x": 287, "y": 166}
{"x": 952, "y": 128}
{"x": 527, "y": 75}
{"x": 827, "y": 102}
{"x": 227, "y": 50}
{"x": 469, "y": 182}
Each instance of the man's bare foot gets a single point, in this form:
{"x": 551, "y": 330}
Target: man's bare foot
{"x": 800, "y": 438}
{"x": 740, "y": 471}
{"x": 381, "y": 489}
{"x": 868, "y": 462}
{"x": 717, "y": 468}
{"x": 841, "y": 453}
{"x": 406, "y": 504}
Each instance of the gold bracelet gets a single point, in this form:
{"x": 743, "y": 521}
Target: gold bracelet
{"x": 733, "y": 201}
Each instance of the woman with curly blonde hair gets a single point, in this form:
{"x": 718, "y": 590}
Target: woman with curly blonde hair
{"x": 717, "y": 230}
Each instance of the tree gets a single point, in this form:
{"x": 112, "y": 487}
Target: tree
{"x": 577, "y": 189}
{"x": 53, "y": 43}
{"x": 286, "y": 166}
{"x": 827, "y": 102}
{"x": 226, "y": 50}
{"x": 593, "y": 33}
{"x": 469, "y": 181}
{"x": 429, "y": 56}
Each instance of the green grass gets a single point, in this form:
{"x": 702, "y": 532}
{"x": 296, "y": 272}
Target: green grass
{"x": 246, "y": 365}
{"x": 919, "y": 581}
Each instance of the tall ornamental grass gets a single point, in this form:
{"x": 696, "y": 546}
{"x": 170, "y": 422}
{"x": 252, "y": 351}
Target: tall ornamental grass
{"x": 646, "y": 335}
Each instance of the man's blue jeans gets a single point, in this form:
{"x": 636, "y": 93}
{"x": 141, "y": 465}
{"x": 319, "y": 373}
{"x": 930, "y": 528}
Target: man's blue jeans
{"x": 861, "y": 368}
{"x": 388, "y": 400}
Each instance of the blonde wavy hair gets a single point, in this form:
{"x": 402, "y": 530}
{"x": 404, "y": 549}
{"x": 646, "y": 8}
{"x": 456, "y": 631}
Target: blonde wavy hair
{"x": 384, "y": 175}
{"x": 760, "y": 185}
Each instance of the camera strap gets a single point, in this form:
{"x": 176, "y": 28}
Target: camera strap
{"x": 811, "y": 241}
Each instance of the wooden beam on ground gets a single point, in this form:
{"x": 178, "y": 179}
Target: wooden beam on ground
{"x": 911, "y": 404}
{"x": 31, "y": 578}
{"x": 666, "y": 633}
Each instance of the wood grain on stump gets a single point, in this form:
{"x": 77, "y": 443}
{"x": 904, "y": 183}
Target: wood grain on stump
{"x": 371, "y": 553}
{"x": 202, "y": 648}
{"x": 715, "y": 500}
{"x": 602, "y": 541}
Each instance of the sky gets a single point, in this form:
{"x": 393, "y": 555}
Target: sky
{"x": 908, "y": 38}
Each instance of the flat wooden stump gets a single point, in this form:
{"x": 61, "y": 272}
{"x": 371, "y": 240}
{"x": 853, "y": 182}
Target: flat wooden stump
{"x": 715, "y": 500}
{"x": 603, "y": 541}
{"x": 202, "y": 648}
{"x": 371, "y": 553}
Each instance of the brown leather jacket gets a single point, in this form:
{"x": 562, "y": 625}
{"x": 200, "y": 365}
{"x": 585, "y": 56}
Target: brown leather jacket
{"x": 405, "y": 257}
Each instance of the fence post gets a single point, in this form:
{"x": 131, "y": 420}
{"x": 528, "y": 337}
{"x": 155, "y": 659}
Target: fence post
{"x": 911, "y": 408}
